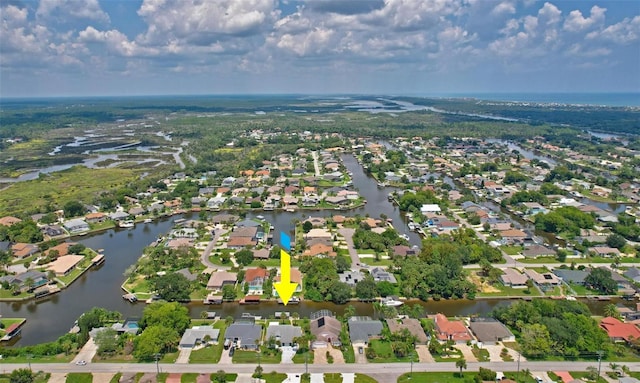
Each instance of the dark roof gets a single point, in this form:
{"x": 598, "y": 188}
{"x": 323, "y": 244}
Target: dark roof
{"x": 571, "y": 276}
{"x": 489, "y": 330}
{"x": 246, "y": 332}
{"x": 362, "y": 328}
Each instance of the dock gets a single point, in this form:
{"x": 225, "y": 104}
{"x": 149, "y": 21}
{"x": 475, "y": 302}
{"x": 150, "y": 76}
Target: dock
{"x": 130, "y": 297}
{"x": 13, "y": 330}
{"x": 98, "y": 260}
{"x": 212, "y": 299}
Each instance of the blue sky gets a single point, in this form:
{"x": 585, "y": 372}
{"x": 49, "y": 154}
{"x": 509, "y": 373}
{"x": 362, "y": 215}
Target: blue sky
{"x": 144, "y": 47}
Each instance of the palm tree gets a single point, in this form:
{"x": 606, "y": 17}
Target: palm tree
{"x": 614, "y": 367}
{"x": 611, "y": 310}
{"x": 461, "y": 363}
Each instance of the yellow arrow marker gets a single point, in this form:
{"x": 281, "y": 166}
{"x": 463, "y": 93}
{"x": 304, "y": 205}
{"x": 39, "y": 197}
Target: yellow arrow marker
{"x": 285, "y": 287}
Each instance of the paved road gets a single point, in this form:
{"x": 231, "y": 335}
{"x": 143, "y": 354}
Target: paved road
{"x": 207, "y": 251}
{"x": 316, "y": 166}
{"x": 391, "y": 368}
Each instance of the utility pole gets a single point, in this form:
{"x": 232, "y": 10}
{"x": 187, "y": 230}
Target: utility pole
{"x": 600, "y": 352}
{"x": 518, "y": 373}
{"x": 306, "y": 365}
{"x": 411, "y": 361}
{"x": 157, "y": 358}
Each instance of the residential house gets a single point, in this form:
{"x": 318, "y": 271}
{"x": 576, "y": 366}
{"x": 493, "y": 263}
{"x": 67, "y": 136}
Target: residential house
{"x": 95, "y": 217}
{"x": 451, "y": 330}
{"x": 326, "y": 329}
{"x": 536, "y": 250}
{"x": 604, "y": 251}
{"x": 619, "y": 331}
{"x": 52, "y": 231}
{"x": 26, "y": 281}
{"x": 489, "y": 331}
{"x": 513, "y": 278}
{"x": 412, "y": 325}
{"x": 260, "y": 254}
{"x": 245, "y": 334}
{"x": 65, "y": 264}
{"x": 351, "y": 277}
{"x": 403, "y": 250}
{"x": 255, "y": 278}
{"x": 295, "y": 276}
{"x": 221, "y": 278}
{"x": 197, "y": 334}
{"x": 633, "y": 273}
{"x": 513, "y": 236}
{"x": 24, "y": 250}
{"x": 569, "y": 276}
{"x": 363, "y": 329}
{"x": 380, "y": 274}
{"x": 76, "y": 226}
{"x": 119, "y": 216}
{"x": 284, "y": 334}
{"x": 319, "y": 249}
{"x": 545, "y": 281}
{"x": 533, "y": 208}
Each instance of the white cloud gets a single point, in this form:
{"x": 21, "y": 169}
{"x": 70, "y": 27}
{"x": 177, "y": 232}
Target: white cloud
{"x": 575, "y": 22}
{"x": 625, "y": 32}
{"x": 505, "y": 7}
{"x": 79, "y": 9}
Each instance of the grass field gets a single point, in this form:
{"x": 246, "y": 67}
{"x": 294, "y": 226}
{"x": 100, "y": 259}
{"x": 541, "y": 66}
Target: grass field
{"x": 75, "y": 184}
{"x": 242, "y": 356}
{"x": 384, "y": 353}
{"x": 79, "y": 377}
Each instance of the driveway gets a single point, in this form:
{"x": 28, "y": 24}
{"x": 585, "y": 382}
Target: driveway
{"x": 320, "y": 355}
{"x": 466, "y": 353}
{"x": 360, "y": 358}
{"x": 87, "y": 352}
{"x": 348, "y": 377}
{"x": 287, "y": 354}
{"x": 494, "y": 352}
{"x": 347, "y": 233}
{"x": 183, "y": 358}
{"x": 291, "y": 378}
{"x": 102, "y": 377}
{"x": 204, "y": 258}
{"x": 424, "y": 356}
{"x": 225, "y": 358}
{"x": 317, "y": 378}
{"x": 57, "y": 378}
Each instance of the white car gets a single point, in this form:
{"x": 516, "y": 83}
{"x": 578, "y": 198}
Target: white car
{"x": 81, "y": 363}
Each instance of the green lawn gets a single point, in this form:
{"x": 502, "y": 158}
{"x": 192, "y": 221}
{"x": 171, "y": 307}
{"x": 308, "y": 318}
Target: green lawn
{"x": 79, "y": 377}
{"x": 228, "y": 377}
{"x": 511, "y": 250}
{"x": 432, "y": 377}
{"x": 242, "y": 356}
{"x": 210, "y": 354}
{"x": 348, "y": 354}
{"x": 583, "y": 374}
{"x": 481, "y": 354}
{"x": 333, "y": 378}
{"x": 274, "y": 377}
{"x": 384, "y": 353}
{"x": 454, "y": 355}
{"x": 361, "y": 378}
{"x": 582, "y": 290}
{"x": 60, "y": 358}
{"x": 189, "y": 378}
{"x": 299, "y": 358}
{"x": 76, "y": 273}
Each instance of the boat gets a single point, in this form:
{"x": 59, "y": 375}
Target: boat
{"x": 292, "y": 301}
{"x": 260, "y": 217}
{"x": 130, "y": 297}
{"x": 148, "y": 220}
{"x": 405, "y": 236}
{"x": 392, "y": 302}
{"x": 126, "y": 224}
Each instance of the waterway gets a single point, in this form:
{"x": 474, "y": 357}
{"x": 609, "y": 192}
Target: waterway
{"x": 50, "y": 318}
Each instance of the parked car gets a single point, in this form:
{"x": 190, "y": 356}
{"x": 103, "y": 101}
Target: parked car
{"x": 232, "y": 350}
{"x": 360, "y": 350}
{"x": 81, "y": 363}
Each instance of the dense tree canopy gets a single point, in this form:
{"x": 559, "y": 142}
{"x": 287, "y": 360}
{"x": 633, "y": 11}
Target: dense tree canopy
{"x": 169, "y": 315}
{"x": 600, "y": 280}
{"x": 322, "y": 282}
{"x": 568, "y": 220}
{"x": 172, "y": 287}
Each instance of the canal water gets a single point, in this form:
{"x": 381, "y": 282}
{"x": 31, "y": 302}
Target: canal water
{"x": 50, "y": 318}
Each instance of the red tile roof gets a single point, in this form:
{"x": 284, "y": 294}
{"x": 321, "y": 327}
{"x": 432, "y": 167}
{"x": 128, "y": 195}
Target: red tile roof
{"x": 252, "y": 274}
{"x": 454, "y": 330}
{"x": 619, "y": 330}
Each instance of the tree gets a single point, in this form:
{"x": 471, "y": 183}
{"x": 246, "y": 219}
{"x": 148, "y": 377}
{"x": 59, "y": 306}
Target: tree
{"x": 461, "y": 364}
{"x": 228, "y": 292}
{"x": 155, "y": 339}
{"x": 244, "y": 257}
{"x": 107, "y": 341}
{"x": 342, "y": 264}
{"x": 171, "y": 315}
{"x": 600, "y": 280}
{"x": 366, "y": 289}
{"x": 73, "y": 209}
{"x": 385, "y": 288}
{"x": 611, "y": 310}
{"x": 616, "y": 240}
{"x": 307, "y": 226}
{"x": 220, "y": 377}
{"x": 21, "y": 375}
{"x": 535, "y": 340}
{"x": 349, "y": 312}
{"x": 257, "y": 373}
{"x": 172, "y": 287}
{"x": 340, "y": 292}
{"x": 77, "y": 248}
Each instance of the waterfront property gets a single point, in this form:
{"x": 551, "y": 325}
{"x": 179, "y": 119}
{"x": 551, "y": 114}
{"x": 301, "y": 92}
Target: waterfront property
{"x": 65, "y": 264}
{"x": 326, "y": 329}
{"x": 489, "y": 331}
{"x": 451, "y": 330}
{"x": 412, "y": 325}
{"x": 246, "y": 334}
{"x": 220, "y": 279}
{"x": 284, "y": 334}
{"x": 197, "y": 335}
{"x": 363, "y": 329}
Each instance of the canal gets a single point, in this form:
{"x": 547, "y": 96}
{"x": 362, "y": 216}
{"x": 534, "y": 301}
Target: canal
{"x": 48, "y": 319}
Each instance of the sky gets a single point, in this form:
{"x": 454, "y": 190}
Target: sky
{"x": 52, "y": 48}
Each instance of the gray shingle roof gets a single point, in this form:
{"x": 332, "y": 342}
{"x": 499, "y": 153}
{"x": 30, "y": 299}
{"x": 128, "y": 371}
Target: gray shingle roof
{"x": 362, "y": 328}
{"x": 285, "y": 333}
